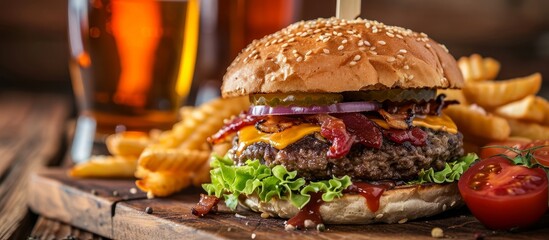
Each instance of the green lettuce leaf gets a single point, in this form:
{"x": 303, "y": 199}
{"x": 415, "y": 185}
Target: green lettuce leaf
{"x": 230, "y": 181}
{"x": 452, "y": 171}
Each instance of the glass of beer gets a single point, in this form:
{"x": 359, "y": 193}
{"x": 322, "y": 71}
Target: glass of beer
{"x": 131, "y": 63}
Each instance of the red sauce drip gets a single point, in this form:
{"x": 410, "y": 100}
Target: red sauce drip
{"x": 372, "y": 193}
{"x": 311, "y": 211}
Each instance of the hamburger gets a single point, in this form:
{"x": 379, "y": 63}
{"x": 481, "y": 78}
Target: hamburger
{"x": 345, "y": 126}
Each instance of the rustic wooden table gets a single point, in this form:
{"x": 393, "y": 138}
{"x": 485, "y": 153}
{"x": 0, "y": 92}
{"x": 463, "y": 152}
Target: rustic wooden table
{"x": 32, "y": 136}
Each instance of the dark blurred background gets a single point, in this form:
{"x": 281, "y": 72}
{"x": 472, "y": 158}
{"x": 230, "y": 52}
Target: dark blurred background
{"x": 34, "y": 49}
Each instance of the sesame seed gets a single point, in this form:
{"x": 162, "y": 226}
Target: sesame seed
{"x": 308, "y": 52}
{"x": 291, "y": 40}
{"x": 428, "y": 45}
{"x": 284, "y": 45}
{"x": 317, "y": 31}
{"x": 444, "y": 47}
{"x": 360, "y": 43}
{"x": 344, "y": 41}
{"x": 400, "y": 56}
{"x": 357, "y": 57}
{"x": 406, "y": 67}
{"x": 325, "y": 50}
{"x": 352, "y": 63}
{"x": 373, "y": 52}
{"x": 334, "y": 32}
{"x": 326, "y": 40}
{"x": 367, "y": 43}
{"x": 373, "y": 48}
{"x": 423, "y": 34}
{"x": 362, "y": 48}
{"x": 299, "y": 59}
{"x": 272, "y": 78}
{"x": 279, "y": 40}
{"x": 402, "y": 51}
{"x": 411, "y": 76}
{"x": 389, "y": 34}
{"x": 391, "y": 59}
{"x": 399, "y": 36}
{"x": 340, "y": 47}
{"x": 294, "y": 51}
{"x": 267, "y": 44}
{"x": 339, "y": 34}
{"x": 381, "y": 42}
{"x": 374, "y": 30}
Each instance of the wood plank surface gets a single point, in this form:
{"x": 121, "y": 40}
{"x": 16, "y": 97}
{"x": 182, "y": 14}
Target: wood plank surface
{"x": 171, "y": 217}
{"x": 49, "y": 229}
{"x": 31, "y": 137}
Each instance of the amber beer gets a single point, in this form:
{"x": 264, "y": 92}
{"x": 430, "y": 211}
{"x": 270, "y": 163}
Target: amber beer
{"x": 132, "y": 61}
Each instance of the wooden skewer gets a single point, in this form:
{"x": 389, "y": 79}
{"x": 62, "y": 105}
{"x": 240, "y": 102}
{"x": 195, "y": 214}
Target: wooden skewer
{"x": 348, "y": 9}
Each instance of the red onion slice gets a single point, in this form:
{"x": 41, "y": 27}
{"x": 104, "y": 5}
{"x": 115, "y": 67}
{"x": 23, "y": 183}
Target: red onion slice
{"x": 344, "y": 107}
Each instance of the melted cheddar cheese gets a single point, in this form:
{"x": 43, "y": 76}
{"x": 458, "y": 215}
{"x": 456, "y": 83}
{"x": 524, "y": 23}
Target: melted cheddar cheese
{"x": 280, "y": 140}
{"x": 250, "y": 135}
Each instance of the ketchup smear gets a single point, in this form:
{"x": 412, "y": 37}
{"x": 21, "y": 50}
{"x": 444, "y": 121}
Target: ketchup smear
{"x": 371, "y": 192}
{"x": 311, "y": 211}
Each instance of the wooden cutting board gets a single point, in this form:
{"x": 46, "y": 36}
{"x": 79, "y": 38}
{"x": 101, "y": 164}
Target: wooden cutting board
{"x": 91, "y": 205}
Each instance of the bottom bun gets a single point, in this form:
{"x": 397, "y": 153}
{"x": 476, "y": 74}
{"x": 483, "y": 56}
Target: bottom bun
{"x": 399, "y": 204}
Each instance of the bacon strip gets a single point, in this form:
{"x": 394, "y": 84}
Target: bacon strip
{"x": 415, "y": 136}
{"x": 205, "y": 205}
{"x": 233, "y": 126}
{"x": 364, "y": 130}
{"x": 334, "y": 129}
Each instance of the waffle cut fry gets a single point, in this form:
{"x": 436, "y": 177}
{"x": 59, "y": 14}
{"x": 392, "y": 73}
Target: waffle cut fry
{"x": 183, "y": 152}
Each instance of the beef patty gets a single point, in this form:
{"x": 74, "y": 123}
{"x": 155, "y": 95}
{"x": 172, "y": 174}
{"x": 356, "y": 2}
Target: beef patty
{"x": 391, "y": 162}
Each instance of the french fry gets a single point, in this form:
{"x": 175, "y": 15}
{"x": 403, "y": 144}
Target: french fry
{"x": 127, "y": 143}
{"x": 492, "y": 94}
{"x": 163, "y": 184}
{"x": 477, "y": 68}
{"x": 491, "y": 68}
{"x": 528, "y": 130}
{"x": 478, "y": 125}
{"x": 530, "y": 108}
{"x": 173, "y": 159}
{"x": 105, "y": 167}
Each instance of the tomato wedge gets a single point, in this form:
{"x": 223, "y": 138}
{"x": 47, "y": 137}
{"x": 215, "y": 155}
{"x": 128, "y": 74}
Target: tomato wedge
{"x": 502, "y": 195}
{"x": 541, "y": 155}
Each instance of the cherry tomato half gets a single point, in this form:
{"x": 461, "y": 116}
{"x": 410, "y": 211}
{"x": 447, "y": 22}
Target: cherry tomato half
{"x": 541, "y": 155}
{"x": 502, "y": 195}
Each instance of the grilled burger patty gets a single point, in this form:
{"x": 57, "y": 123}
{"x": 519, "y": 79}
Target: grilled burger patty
{"x": 392, "y": 161}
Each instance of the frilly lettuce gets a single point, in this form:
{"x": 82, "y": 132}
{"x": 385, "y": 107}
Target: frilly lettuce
{"x": 451, "y": 172}
{"x": 231, "y": 181}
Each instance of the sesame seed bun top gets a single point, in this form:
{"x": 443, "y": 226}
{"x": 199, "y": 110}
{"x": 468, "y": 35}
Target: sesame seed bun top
{"x": 335, "y": 55}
